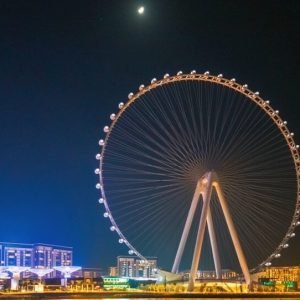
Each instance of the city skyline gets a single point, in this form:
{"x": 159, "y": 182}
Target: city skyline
{"x": 66, "y": 67}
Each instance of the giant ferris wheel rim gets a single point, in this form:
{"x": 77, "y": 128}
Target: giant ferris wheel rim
{"x": 218, "y": 80}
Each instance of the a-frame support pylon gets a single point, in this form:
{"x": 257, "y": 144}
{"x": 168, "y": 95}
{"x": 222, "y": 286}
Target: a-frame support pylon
{"x": 204, "y": 188}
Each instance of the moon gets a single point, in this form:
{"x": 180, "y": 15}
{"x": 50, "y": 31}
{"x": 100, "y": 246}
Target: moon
{"x": 141, "y": 10}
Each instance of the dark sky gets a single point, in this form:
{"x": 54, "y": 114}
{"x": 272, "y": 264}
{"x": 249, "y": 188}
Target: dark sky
{"x": 64, "y": 67}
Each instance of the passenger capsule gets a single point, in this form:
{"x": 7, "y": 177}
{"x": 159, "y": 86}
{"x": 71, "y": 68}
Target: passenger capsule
{"x": 284, "y": 122}
{"x": 277, "y": 255}
{"x": 98, "y": 186}
{"x": 220, "y": 76}
{"x": 153, "y": 80}
{"x": 130, "y": 252}
{"x": 293, "y": 234}
{"x": 130, "y": 95}
{"x": 292, "y": 133}
{"x": 106, "y": 215}
{"x": 285, "y": 245}
{"x": 232, "y": 79}
{"x": 98, "y": 156}
{"x": 298, "y": 223}
{"x": 101, "y": 200}
{"x": 268, "y": 102}
{"x": 179, "y": 73}
{"x": 101, "y": 142}
{"x": 121, "y": 241}
{"x": 112, "y": 116}
{"x": 112, "y": 228}
{"x": 268, "y": 264}
{"x": 106, "y": 129}
{"x": 206, "y": 73}
{"x": 245, "y": 86}
{"x": 297, "y": 146}
{"x": 277, "y": 111}
{"x": 121, "y": 105}
{"x": 141, "y": 87}
{"x": 193, "y": 72}
{"x": 97, "y": 171}
{"x": 166, "y": 75}
{"x": 256, "y": 93}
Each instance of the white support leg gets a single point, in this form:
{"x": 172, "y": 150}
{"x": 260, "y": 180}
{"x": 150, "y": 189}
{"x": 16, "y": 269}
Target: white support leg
{"x": 201, "y": 229}
{"x": 214, "y": 245}
{"x": 187, "y": 227}
{"x": 233, "y": 233}
{"x": 204, "y": 187}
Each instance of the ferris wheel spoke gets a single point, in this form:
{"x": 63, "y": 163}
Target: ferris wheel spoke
{"x": 171, "y": 132}
{"x": 156, "y": 216}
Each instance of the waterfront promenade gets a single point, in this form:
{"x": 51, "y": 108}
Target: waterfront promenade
{"x": 149, "y": 295}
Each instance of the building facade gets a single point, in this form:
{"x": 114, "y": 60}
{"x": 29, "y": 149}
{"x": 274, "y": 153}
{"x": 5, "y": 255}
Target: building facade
{"x": 113, "y": 271}
{"x": 279, "y": 274}
{"x": 131, "y": 266}
{"x": 16, "y": 255}
{"x": 88, "y": 273}
{"x": 226, "y": 274}
{"x": 146, "y": 268}
{"x": 126, "y": 266}
{"x": 211, "y": 274}
{"x": 35, "y": 255}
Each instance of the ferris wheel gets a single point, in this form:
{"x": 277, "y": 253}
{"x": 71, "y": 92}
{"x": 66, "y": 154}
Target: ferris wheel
{"x": 198, "y": 168}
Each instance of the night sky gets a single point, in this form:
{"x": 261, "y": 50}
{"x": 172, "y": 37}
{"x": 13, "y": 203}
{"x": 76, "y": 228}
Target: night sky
{"x": 65, "y": 66}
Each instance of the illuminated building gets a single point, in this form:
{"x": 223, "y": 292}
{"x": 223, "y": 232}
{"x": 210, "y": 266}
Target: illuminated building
{"x": 42, "y": 256}
{"x": 113, "y": 271}
{"x": 1, "y": 261}
{"x": 211, "y": 274}
{"x": 47, "y": 256}
{"x": 131, "y": 266}
{"x": 35, "y": 255}
{"x": 126, "y": 266}
{"x": 280, "y": 274}
{"x": 145, "y": 268}
{"x": 88, "y": 273}
{"x": 110, "y": 283}
{"x": 226, "y": 274}
{"x": 13, "y": 254}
